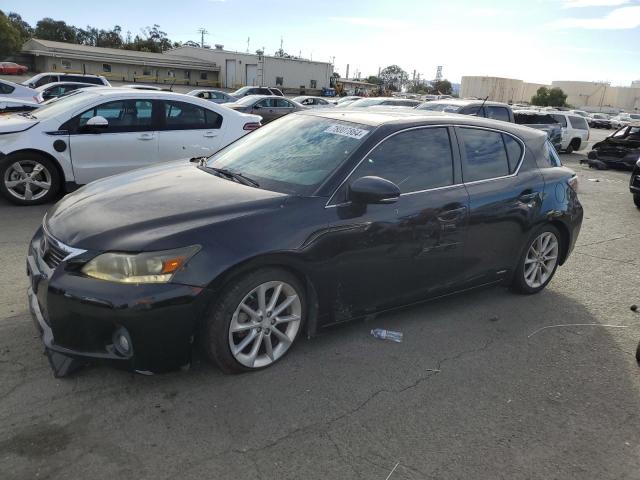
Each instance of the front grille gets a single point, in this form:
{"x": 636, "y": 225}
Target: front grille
{"x": 52, "y": 252}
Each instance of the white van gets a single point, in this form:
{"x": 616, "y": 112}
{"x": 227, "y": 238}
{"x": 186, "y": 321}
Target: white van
{"x": 575, "y": 130}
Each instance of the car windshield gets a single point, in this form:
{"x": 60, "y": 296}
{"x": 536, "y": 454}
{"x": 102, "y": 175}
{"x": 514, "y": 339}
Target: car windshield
{"x": 294, "y": 154}
{"x": 533, "y": 118}
{"x": 63, "y": 104}
{"x": 367, "y": 102}
{"x": 440, "y": 107}
{"x": 635, "y": 116}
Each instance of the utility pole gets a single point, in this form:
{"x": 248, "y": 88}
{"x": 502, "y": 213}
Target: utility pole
{"x": 248, "y": 41}
{"x": 203, "y": 32}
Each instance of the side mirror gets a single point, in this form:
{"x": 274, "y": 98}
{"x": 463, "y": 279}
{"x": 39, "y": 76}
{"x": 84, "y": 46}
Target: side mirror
{"x": 96, "y": 123}
{"x": 369, "y": 190}
{"x": 257, "y": 107}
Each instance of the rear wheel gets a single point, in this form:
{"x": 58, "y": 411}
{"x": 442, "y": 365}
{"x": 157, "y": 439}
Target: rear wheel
{"x": 258, "y": 318}
{"x": 539, "y": 261}
{"x": 636, "y": 199}
{"x": 29, "y": 179}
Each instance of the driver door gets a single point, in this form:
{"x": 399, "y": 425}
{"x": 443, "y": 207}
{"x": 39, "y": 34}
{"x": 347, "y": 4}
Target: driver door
{"x": 129, "y": 141}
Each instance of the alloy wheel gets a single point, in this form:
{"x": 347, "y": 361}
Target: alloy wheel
{"x": 541, "y": 260}
{"x": 265, "y": 324}
{"x": 27, "y": 180}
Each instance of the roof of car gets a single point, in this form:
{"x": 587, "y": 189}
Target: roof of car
{"x": 463, "y": 102}
{"x": 55, "y": 84}
{"x": 69, "y": 73}
{"x": 412, "y": 116}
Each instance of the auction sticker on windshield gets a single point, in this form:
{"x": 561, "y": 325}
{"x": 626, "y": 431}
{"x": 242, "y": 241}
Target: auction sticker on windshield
{"x": 345, "y": 131}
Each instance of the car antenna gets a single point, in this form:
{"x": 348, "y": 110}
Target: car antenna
{"x": 483, "y": 102}
{"x": 172, "y": 84}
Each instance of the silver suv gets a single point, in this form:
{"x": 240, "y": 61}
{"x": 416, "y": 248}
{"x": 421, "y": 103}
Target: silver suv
{"x": 50, "y": 77}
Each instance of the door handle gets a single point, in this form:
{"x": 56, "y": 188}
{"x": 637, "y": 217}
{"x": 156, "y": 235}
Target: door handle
{"x": 210, "y": 134}
{"x": 528, "y": 197}
{"x": 146, "y": 136}
{"x": 452, "y": 215}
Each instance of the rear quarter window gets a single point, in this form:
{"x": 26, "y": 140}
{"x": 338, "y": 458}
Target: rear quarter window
{"x": 549, "y": 157}
{"x": 561, "y": 119}
{"x": 497, "y": 113}
{"x": 579, "y": 123}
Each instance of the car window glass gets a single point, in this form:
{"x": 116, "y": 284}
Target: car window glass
{"x": 320, "y": 101}
{"x": 185, "y": 116}
{"x": 6, "y": 89}
{"x": 620, "y": 133}
{"x": 122, "y": 115}
{"x": 549, "y": 157}
{"x": 561, "y": 119}
{"x": 414, "y": 160}
{"x": 514, "y": 151}
{"x": 44, "y": 80}
{"x": 578, "y": 123}
{"x": 265, "y": 102}
{"x": 282, "y": 103}
{"x": 497, "y": 113}
{"x": 484, "y": 155}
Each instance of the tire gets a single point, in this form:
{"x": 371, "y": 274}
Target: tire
{"x": 522, "y": 280}
{"x": 218, "y": 341}
{"x": 569, "y": 149}
{"x": 15, "y": 186}
{"x": 574, "y": 145}
{"x": 636, "y": 199}
{"x": 638, "y": 353}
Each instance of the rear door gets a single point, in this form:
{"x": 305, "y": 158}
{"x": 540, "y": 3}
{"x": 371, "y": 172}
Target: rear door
{"x": 188, "y": 130}
{"x": 504, "y": 194}
{"x": 130, "y": 141}
{"x": 391, "y": 254}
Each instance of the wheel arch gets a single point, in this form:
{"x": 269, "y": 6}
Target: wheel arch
{"x": 284, "y": 261}
{"x": 565, "y": 240}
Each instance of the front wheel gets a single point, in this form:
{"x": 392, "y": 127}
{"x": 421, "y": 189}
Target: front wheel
{"x": 539, "y": 261}
{"x": 29, "y": 179}
{"x": 256, "y": 321}
{"x": 636, "y": 199}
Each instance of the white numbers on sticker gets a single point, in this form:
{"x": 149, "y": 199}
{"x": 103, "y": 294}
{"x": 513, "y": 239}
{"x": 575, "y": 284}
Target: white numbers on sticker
{"x": 351, "y": 132}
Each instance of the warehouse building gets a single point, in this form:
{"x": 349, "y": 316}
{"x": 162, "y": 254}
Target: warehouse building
{"x": 120, "y": 65}
{"x": 590, "y": 96}
{"x": 184, "y": 66}
{"x": 239, "y": 69}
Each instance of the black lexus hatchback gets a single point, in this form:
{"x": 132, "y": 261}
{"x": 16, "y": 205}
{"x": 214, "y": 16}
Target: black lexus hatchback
{"x": 315, "y": 219}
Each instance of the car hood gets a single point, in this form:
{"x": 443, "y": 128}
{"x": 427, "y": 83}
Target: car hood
{"x": 15, "y": 124}
{"x": 153, "y": 208}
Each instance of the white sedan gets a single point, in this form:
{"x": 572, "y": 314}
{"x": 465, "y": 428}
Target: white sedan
{"x": 17, "y": 91}
{"x": 94, "y": 133}
{"x": 313, "y": 102}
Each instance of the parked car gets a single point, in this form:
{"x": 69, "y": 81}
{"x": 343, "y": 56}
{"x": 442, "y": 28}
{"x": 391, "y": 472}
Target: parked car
{"x": 383, "y": 101}
{"x": 620, "y": 149}
{"x": 215, "y": 96}
{"x": 292, "y": 229}
{"x": 269, "y": 107}
{"x": 244, "y": 91}
{"x": 11, "y": 68}
{"x": 50, "y": 77}
{"x": 59, "y": 89}
{"x": 99, "y": 132}
{"x": 313, "y": 102}
{"x": 575, "y": 130}
{"x": 582, "y": 113}
{"x": 634, "y": 186}
{"x": 599, "y": 120}
{"x": 16, "y": 91}
{"x": 349, "y": 98}
{"x": 479, "y": 108}
{"x": 541, "y": 121}
{"x": 10, "y": 105}
{"x": 620, "y": 120}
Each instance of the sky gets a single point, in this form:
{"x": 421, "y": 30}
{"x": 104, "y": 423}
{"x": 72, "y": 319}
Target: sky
{"x": 532, "y": 40}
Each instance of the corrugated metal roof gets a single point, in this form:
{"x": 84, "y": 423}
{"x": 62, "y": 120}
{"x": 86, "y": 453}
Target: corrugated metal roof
{"x": 36, "y": 46}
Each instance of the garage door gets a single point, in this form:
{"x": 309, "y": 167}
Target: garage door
{"x": 252, "y": 75}
{"x": 231, "y": 73}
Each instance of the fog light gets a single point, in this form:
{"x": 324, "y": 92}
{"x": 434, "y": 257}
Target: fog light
{"x": 122, "y": 342}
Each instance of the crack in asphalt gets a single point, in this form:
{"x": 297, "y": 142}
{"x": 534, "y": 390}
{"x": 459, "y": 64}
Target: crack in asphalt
{"x": 364, "y": 403}
{"x": 627, "y": 262}
{"x": 626, "y": 235}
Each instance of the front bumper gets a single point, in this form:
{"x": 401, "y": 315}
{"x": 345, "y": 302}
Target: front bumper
{"x": 78, "y": 317}
{"x": 634, "y": 182}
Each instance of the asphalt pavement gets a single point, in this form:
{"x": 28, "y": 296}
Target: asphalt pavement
{"x": 485, "y": 385}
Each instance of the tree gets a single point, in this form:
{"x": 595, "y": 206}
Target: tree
{"x": 23, "y": 28}
{"x": 10, "y": 41}
{"x": 59, "y": 31}
{"x": 546, "y": 97}
{"x": 441, "y": 87}
{"x": 393, "y": 77}
{"x": 373, "y": 79}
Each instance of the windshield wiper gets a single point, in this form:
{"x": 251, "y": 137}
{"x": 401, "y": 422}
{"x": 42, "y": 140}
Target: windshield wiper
{"x": 238, "y": 177}
{"x": 27, "y": 114}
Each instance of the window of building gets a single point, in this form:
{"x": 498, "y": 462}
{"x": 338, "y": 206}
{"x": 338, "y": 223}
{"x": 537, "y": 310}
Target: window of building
{"x": 187, "y": 74}
{"x": 171, "y": 73}
{"x": 484, "y": 155}
{"x": 415, "y": 160}
{"x": 313, "y": 84}
{"x": 147, "y": 72}
{"x": 106, "y": 67}
{"x": 66, "y": 64}
{"x": 279, "y": 81}
{"x": 203, "y": 75}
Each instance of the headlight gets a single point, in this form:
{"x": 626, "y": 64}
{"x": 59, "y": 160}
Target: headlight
{"x": 147, "y": 267}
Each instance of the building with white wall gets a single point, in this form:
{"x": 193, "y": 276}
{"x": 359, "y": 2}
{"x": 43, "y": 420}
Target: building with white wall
{"x": 590, "y": 96}
{"x": 238, "y": 69}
